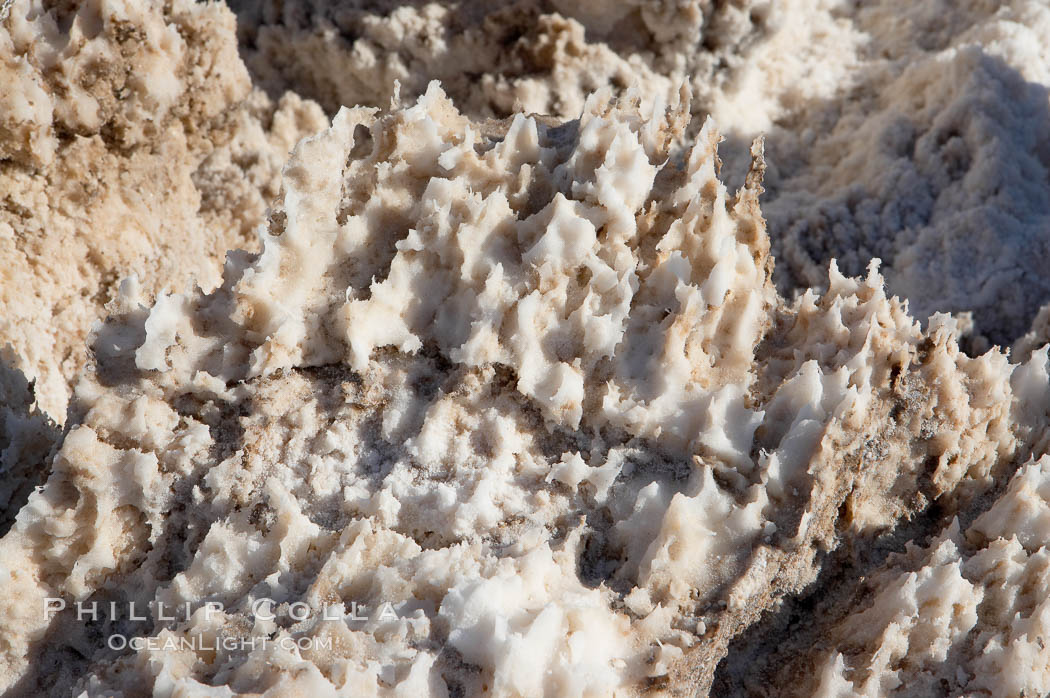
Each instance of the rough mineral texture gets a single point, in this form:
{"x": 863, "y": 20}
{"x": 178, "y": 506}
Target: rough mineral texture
{"x": 130, "y": 144}
{"x": 531, "y": 386}
{"x": 918, "y": 133}
{"x": 406, "y": 348}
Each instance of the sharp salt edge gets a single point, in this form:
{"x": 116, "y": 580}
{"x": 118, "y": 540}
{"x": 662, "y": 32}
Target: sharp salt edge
{"x": 527, "y": 393}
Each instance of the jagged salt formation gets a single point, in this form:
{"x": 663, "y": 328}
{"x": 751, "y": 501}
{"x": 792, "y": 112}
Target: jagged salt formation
{"x": 932, "y": 154}
{"x": 131, "y": 142}
{"x": 911, "y": 132}
{"x": 969, "y": 615}
{"x": 962, "y": 614}
{"x": 530, "y": 385}
{"x": 966, "y": 614}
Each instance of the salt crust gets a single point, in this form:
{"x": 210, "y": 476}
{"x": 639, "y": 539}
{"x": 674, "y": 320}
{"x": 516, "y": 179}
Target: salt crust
{"x": 131, "y": 142}
{"x": 912, "y": 132}
{"x": 965, "y": 614}
{"x": 309, "y": 433}
{"x": 971, "y": 619}
{"x": 534, "y": 389}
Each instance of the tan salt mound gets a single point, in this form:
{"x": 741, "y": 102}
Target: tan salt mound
{"x": 527, "y": 386}
{"x": 131, "y": 143}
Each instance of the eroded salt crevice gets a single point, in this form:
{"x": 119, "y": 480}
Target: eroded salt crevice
{"x": 532, "y": 386}
{"x": 27, "y": 437}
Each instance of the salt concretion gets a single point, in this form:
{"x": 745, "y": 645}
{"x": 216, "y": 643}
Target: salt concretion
{"x": 503, "y": 394}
